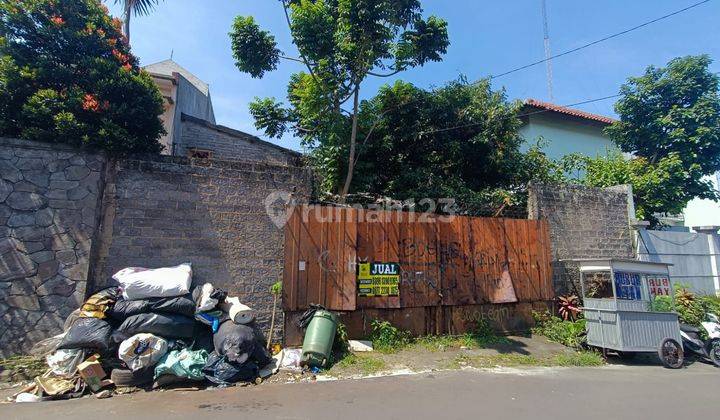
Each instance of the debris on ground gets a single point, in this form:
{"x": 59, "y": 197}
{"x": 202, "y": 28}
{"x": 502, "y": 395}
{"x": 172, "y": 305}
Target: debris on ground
{"x": 360, "y": 345}
{"x": 152, "y": 330}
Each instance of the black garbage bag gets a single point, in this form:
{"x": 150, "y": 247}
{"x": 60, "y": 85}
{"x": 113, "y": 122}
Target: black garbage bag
{"x": 308, "y": 315}
{"x": 88, "y": 333}
{"x": 163, "y": 325}
{"x": 240, "y": 343}
{"x": 219, "y": 370}
{"x": 180, "y": 305}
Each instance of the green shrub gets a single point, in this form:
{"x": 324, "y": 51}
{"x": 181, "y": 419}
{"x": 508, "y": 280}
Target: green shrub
{"x": 662, "y": 304}
{"x": 387, "y": 338}
{"x": 710, "y": 304}
{"x": 567, "y": 333}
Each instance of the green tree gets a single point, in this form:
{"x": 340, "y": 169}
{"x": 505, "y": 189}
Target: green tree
{"x": 340, "y": 44}
{"x": 670, "y": 122}
{"x": 459, "y": 141}
{"x": 67, "y": 76}
{"x": 665, "y": 186}
{"x": 137, "y": 8}
{"x": 675, "y": 109}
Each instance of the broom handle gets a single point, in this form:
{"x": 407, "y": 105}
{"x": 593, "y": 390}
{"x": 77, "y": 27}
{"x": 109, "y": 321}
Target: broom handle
{"x": 272, "y": 321}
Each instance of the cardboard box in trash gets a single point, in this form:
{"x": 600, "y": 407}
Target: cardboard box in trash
{"x": 92, "y": 373}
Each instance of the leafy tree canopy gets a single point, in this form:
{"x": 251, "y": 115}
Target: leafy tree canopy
{"x": 340, "y": 43}
{"x": 67, "y": 75}
{"x": 675, "y": 109}
{"x": 665, "y": 186}
{"x": 459, "y": 141}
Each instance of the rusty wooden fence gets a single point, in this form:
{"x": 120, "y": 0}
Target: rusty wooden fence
{"x": 444, "y": 261}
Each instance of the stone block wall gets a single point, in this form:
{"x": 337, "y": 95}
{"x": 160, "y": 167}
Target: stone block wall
{"x": 584, "y": 223}
{"x": 49, "y": 212}
{"x": 228, "y": 144}
{"x": 169, "y": 210}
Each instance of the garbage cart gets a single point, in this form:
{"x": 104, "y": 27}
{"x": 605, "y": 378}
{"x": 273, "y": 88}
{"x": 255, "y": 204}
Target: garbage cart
{"x": 617, "y": 296}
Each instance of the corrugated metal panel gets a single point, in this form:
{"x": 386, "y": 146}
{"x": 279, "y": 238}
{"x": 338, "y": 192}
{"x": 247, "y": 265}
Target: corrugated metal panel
{"x": 689, "y": 252}
{"x": 630, "y": 331}
{"x": 644, "y": 331}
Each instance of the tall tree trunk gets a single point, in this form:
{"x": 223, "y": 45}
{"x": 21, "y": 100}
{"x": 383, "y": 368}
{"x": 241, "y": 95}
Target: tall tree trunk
{"x": 126, "y": 19}
{"x": 353, "y": 141}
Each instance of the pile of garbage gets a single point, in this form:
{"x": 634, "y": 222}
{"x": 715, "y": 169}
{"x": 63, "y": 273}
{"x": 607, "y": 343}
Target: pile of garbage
{"x": 153, "y": 328}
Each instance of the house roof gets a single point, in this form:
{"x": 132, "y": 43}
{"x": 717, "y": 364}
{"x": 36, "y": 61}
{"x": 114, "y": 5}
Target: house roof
{"x": 168, "y": 67}
{"x": 547, "y": 106}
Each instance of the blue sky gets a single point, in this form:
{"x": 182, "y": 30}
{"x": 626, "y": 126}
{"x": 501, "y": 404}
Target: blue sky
{"x": 487, "y": 37}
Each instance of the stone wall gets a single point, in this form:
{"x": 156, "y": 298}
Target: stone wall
{"x": 228, "y": 144}
{"x": 69, "y": 219}
{"x": 584, "y": 223}
{"x": 169, "y": 210}
{"x": 49, "y": 208}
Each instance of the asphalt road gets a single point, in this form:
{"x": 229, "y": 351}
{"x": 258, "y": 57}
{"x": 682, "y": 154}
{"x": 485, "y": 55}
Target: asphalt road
{"x": 613, "y": 392}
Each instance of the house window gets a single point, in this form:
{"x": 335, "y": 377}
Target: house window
{"x": 199, "y": 154}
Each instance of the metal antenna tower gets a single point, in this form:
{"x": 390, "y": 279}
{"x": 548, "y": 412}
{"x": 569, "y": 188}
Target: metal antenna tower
{"x": 546, "y": 41}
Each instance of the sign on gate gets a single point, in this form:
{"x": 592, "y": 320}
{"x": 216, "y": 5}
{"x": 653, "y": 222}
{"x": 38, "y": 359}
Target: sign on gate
{"x": 378, "y": 279}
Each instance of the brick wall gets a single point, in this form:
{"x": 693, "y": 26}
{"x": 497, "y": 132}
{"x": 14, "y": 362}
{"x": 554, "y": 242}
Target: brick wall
{"x": 584, "y": 223}
{"x": 228, "y": 144}
{"x": 49, "y": 207}
{"x": 169, "y": 210}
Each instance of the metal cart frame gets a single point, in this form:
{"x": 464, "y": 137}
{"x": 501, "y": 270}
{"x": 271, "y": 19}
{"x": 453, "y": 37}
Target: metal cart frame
{"x": 624, "y": 322}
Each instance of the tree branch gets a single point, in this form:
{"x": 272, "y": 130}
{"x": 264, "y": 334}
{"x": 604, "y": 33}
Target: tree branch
{"x": 384, "y": 75}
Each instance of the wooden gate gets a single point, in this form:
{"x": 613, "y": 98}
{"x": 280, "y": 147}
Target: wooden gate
{"x": 444, "y": 261}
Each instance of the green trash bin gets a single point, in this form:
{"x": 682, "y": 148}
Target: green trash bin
{"x": 319, "y": 338}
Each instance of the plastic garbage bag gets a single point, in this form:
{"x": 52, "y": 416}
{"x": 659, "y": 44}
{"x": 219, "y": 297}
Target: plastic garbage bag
{"x": 241, "y": 343}
{"x": 209, "y": 318}
{"x": 97, "y": 305}
{"x": 181, "y": 305}
{"x": 205, "y": 301}
{"x": 163, "y": 325}
{"x": 47, "y": 346}
{"x": 26, "y": 397}
{"x": 183, "y": 363}
{"x": 239, "y": 313}
{"x": 64, "y": 362}
{"x": 143, "y": 283}
{"x": 219, "y": 370}
{"x": 142, "y": 351}
{"x": 88, "y": 333}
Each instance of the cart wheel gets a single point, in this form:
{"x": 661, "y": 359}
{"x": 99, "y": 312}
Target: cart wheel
{"x": 626, "y": 355}
{"x": 715, "y": 351}
{"x": 671, "y": 354}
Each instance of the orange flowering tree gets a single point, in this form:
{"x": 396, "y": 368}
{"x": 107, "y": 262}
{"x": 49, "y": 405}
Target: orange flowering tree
{"x": 67, "y": 75}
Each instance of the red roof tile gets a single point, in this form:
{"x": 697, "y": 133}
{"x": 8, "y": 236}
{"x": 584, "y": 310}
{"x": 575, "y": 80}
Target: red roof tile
{"x": 568, "y": 111}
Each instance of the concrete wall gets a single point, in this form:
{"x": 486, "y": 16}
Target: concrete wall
{"x": 584, "y": 223}
{"x": 228, "y": 144}
{"x": 49, "y": 212}
{"x": 565, "y": 135}
{"x": 69, "y": 219}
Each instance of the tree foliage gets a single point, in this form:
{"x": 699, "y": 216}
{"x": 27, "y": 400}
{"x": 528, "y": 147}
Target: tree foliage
{"x": 675, "y": 109}
{"x": 670, "y": 122}
{"x": 340, "y": 43}
{"x": 662, "y": 187}
{"x": 67, "y": 75}
{"x": 459, "y": 141}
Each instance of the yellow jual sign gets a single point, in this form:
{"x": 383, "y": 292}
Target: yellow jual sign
{"x": 378, "y": 279}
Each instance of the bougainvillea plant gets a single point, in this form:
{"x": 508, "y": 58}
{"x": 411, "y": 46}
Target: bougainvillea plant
{"x": 67, "y": 75}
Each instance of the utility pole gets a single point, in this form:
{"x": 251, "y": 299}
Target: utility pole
{"x": 546, "y": 41}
